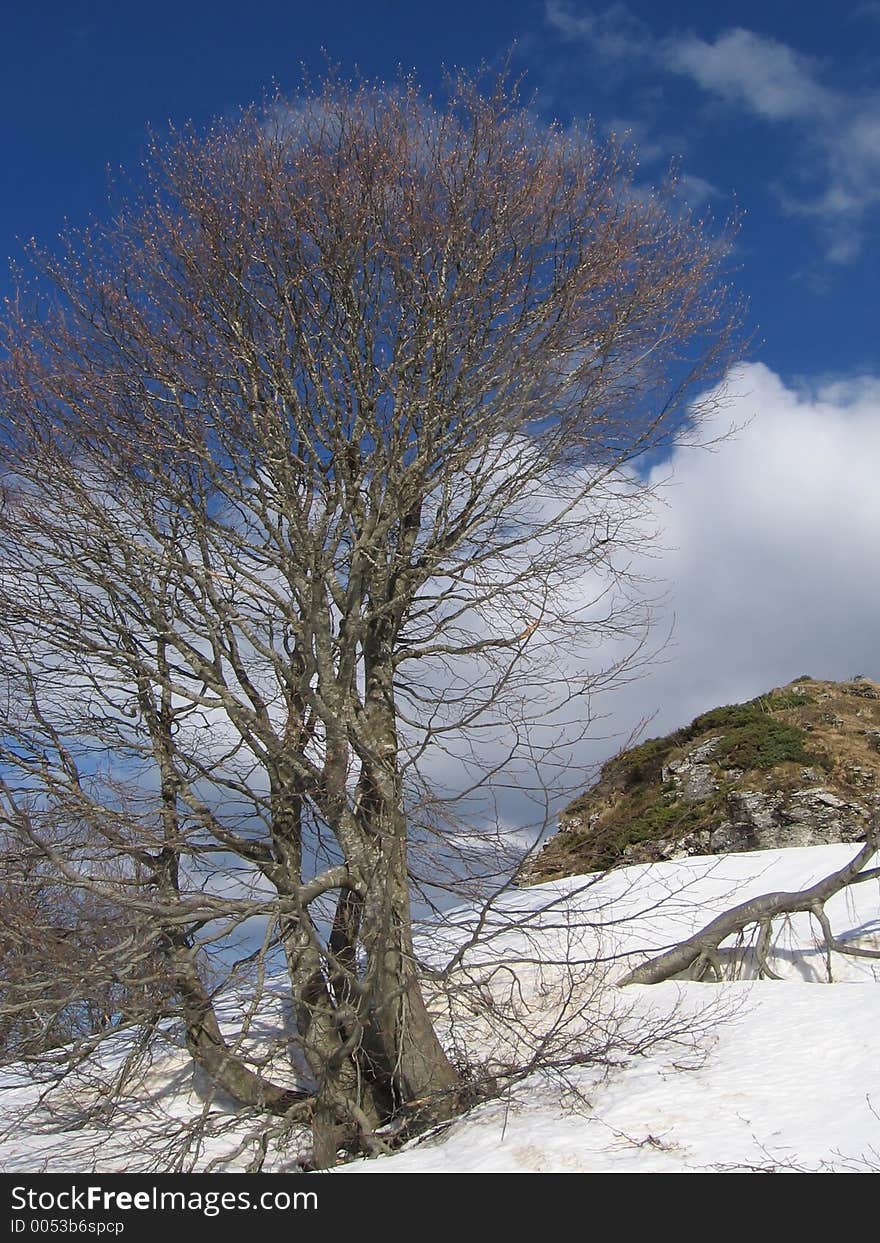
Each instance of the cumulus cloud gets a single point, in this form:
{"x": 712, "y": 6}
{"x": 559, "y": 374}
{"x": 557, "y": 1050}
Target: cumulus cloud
{"x": 771, "y": 550}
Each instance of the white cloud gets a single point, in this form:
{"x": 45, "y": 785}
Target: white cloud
{"x": 614, "y": 32}
{"x": 696, "y": 190}
{"x": 759, "y": 73}
{"x": 772, "y": 550}
{"x": 840, "y": 132}
{"x": 837, "y": 155}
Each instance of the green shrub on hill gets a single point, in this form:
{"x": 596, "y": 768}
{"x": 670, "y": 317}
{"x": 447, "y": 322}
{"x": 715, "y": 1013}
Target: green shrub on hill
{"x": 763, "y": 742}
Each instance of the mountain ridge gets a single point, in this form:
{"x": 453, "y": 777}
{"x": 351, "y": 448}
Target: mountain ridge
{"x": 797, "y": 766}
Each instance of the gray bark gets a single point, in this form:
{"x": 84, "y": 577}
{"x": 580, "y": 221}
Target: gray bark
{"x": 703, "y": 945}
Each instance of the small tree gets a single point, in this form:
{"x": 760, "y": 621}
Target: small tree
{"x": 308, "y": 457}
{"x": 69, "y": 968}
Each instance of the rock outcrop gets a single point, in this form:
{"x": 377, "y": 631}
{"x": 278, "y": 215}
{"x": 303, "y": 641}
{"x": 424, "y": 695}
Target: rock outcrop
{"x": 799, "y": 766}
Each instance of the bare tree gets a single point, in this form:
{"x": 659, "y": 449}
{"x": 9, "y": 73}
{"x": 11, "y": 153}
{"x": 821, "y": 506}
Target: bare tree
{"x": 68, "y": 967}
{"x": 320, "y": 472}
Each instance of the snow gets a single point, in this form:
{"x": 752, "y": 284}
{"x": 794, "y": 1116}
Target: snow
{"x": 750, "y": 1074}
{"x": 786, "y": 1082}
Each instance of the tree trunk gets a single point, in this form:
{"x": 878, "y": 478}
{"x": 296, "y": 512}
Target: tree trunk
{"x": 420, "y": 1074}
{"x": 210, "y": 1051}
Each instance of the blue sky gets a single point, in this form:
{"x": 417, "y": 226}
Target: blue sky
{"x": 773, "y": 107}
{"x": 770, "y": 545}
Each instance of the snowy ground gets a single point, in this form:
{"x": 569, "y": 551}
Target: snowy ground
{"x": 787, "y": 1083}
{"x": 778, "y": 1074}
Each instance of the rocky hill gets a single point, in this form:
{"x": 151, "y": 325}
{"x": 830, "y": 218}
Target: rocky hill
{"x": 799, "y": 766}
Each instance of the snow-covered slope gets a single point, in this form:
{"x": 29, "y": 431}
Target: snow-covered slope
{"x": 753, "y": 1073}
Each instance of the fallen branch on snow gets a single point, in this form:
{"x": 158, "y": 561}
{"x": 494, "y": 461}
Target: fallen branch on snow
{"x": 700, "y": 951}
